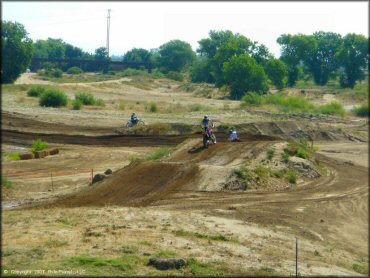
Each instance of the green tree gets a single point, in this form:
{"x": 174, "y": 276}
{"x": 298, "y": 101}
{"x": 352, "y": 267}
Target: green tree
{"x": 277, "y": 72}
{"x": 353, "y": 57}
{"x": 101, "y": 54}
{"x": 294, "y": 50}
{"x": 243, "y": 75}
{"x": 17, "y": 51}
{"x": 201, "y": 71}
{"x": 222, "y": 46}
{"x": 138, "y": 56}
{"x": 175, "y": 55}
{"x": 323, "y": 63}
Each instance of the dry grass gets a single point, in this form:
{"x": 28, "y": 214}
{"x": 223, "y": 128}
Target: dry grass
{"x": 119, "y": 241}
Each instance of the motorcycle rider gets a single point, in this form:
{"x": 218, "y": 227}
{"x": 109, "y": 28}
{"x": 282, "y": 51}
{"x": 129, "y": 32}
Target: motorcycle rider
{"x": 207, "y": 129}
{"x": 205, "y": 121}
{"x": 134, "y": 118}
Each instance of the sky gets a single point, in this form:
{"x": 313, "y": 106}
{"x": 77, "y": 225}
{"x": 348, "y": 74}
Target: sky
{"x": 150, "y": 24}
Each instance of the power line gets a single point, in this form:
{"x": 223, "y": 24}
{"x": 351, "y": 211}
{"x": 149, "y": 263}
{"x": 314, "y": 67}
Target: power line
{"x": 108, "y": 27}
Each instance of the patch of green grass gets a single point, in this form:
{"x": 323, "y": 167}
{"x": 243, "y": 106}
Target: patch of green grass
{"x": 361, "y": 268}
{"x": 36, "y": 91}
{"x": 159, "y": 153}
{"x": 36, "y": 252}
{"x": 302, "y": 153}
{"x": 90, "y": 233}
{"x": 165, "y": 254}
{"x": 212, "y": 269}
{"x": 54, "y": 243}
{"x": 9, "y": 252}
{"x": 243, "y": 173}
{"x": 39, "y": 145}
{"x": 126, "y": 264}
{"x": 262, "y": 172}
{"x": 362, "y": 111}
{"x": 14, "y": 156}
{"x": 270, "y": 153}
{"x": 63, "y": 221}
{"x": 291, "y": 176}
{"x": 332, "y": 108}
{"x": 198, "y": 235}
{"x": 195, "y": 107}
{"x": 129, "y": 249}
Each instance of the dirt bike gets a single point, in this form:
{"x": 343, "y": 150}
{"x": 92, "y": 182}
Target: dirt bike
{"x": 138, "y": 122}
{"x": 208, "y": 135}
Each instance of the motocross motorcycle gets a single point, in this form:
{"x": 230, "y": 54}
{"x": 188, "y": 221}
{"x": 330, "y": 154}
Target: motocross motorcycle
{"x": 208, "y": 135}
{"x": 138, "y": 122}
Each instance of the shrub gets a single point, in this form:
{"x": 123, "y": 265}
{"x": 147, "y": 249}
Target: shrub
{"x": 153, "y": 108}
{"x": 291, "y": 176}
{"x": 77, "y": 104}
{"x": 132, "y": 158}
{"x": 362, "y": 111}
{"x": 36, "y": 91}
{"x": 57, "y": 73}
{"x": 53, "y": 98}
{"x": 262, "y": 172}
{"x": 5, "y": 182}
{"x": 157, "y": 74}
{"x": 302, "y": 153}
{"x": 85, "y": 98}
{"x": 175, "y": 75}
{"x": 286, "y": 157}
{"x": 270, "y": 153}
{"x": 279, "y": 173}
{"x": 253, "y": 99}
{"x": 39, "y": 145}
{"x": 243, "y": 173}
{"x": 133, "y": 72}
{"x": 332, "y": 108}
{"x": 99, "y": 102}
{"x": 74, "y": 70}
{"x": 122, "y": 105}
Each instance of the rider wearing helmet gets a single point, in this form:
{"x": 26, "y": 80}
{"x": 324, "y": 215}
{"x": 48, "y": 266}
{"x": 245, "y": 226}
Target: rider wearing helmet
{"x": 208, "y": 128}
{"x": 134, "y": 118}
{"x": 233, "y": 135}
{"x": 205, "y": 122}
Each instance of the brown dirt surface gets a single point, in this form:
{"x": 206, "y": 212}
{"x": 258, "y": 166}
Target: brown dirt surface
{"x": 176, "y": 202}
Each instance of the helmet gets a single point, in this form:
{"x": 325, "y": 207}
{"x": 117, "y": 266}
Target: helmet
{"x": 205, "y": 116}
{"x": 133, "y": 114}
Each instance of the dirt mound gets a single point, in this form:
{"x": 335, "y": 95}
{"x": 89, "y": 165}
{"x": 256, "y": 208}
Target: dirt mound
{"x": 190, "y": 168}
{"x": 136, "y": 185}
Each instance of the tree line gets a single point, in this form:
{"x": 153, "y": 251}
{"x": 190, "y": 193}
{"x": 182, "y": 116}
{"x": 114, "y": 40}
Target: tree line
{"x": 223, "y": 58}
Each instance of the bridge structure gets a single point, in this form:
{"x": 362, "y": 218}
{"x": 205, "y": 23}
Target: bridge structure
{"x": 37, "y": 63}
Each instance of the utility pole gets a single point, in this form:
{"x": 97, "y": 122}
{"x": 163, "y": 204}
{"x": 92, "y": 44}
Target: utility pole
{"x": 108, "y": 27}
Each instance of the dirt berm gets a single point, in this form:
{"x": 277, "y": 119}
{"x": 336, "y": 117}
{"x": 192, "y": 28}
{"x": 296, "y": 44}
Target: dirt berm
{"x": 191, "y": 167}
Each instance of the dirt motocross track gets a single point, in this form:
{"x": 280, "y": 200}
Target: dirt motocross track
{"x": 332, "y": 208}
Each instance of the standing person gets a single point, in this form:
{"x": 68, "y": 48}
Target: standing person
{"x": 134, "y": 118}
{"x": 233, "y": 135}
